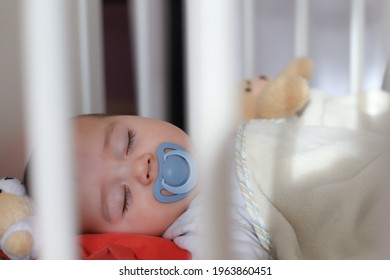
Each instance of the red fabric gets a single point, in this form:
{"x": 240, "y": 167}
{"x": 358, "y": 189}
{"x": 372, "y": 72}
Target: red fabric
{"x": 124, "y": 246}
{"x": 3, "y": 256}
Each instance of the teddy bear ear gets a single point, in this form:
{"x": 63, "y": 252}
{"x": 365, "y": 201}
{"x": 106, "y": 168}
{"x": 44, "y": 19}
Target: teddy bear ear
{"x": 12, "y": 186}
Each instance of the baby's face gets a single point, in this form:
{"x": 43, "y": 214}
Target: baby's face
{"x": 116, "y": 169}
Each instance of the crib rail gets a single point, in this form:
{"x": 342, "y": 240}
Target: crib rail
{"x": 357, "y": 31}
{"x": 214, "y": 71}
{"x": 62, "y": 77}
{"x": 47, "y": 87}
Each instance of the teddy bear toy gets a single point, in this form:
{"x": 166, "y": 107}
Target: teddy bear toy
{"x": 16, "y": 221}
{"x": 282, "y": 97}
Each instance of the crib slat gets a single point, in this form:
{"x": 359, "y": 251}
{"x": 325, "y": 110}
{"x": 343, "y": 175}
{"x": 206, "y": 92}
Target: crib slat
{"x": 301, "y": 27}
{"x": 48, "y": 89}
{"x": 357, "y": 34}
{"x": 214, "y": 71}
{"x": 249, "y": 37}
{"x": 150, "y": 52}
{"x": 91, "y": 57}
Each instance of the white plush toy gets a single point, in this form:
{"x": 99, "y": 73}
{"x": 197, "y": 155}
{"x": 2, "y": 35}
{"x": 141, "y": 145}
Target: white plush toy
{"x": 17, "y": 240}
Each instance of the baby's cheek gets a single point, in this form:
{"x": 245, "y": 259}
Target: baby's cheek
{"x": 156, "y": 220}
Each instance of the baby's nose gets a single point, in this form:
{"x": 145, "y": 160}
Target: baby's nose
{"x": 143, "y": 169}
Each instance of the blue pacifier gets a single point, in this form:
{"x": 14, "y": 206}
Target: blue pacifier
{"x": 177, "y": 174}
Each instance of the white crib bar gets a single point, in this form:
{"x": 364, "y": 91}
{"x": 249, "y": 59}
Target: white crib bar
{"x": 91, "y": 56}
{"x": 214, "y": 71}
{"x": 301, "y": 28}
{"x": 357, "y": 33}
{"x": 48, "y": 88}
{"x": 249, "y": 37}
{"x": 150, "y": 53}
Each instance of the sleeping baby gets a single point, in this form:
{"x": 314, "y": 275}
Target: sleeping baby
{"x": 132, "y": 174}
{"x": 139, "y": 175}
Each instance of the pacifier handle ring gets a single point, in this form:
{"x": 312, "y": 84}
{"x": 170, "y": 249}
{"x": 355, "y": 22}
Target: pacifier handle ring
{"x": 187, "y": 186}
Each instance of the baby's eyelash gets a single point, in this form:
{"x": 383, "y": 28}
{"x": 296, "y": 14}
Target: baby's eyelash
{"x": 126, "y": 198}
{"x": 130, "y": 143}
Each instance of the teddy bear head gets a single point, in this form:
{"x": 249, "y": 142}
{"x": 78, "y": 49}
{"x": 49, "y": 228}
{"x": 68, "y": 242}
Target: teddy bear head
{"x": 281, "y": 97}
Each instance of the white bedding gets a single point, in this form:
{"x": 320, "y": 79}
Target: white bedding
{"x": 368, "y": 111}
{"x": 332, "y": 164}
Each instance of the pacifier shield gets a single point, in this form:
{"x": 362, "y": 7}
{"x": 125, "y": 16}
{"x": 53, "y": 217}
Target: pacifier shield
{"x": 178, "y": 173}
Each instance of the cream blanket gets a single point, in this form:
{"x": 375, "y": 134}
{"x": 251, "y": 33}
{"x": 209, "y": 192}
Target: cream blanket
{"x": 318, "y": 188}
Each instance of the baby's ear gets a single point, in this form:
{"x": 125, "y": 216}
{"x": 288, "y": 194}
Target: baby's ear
{"x": 301, "y": 67}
